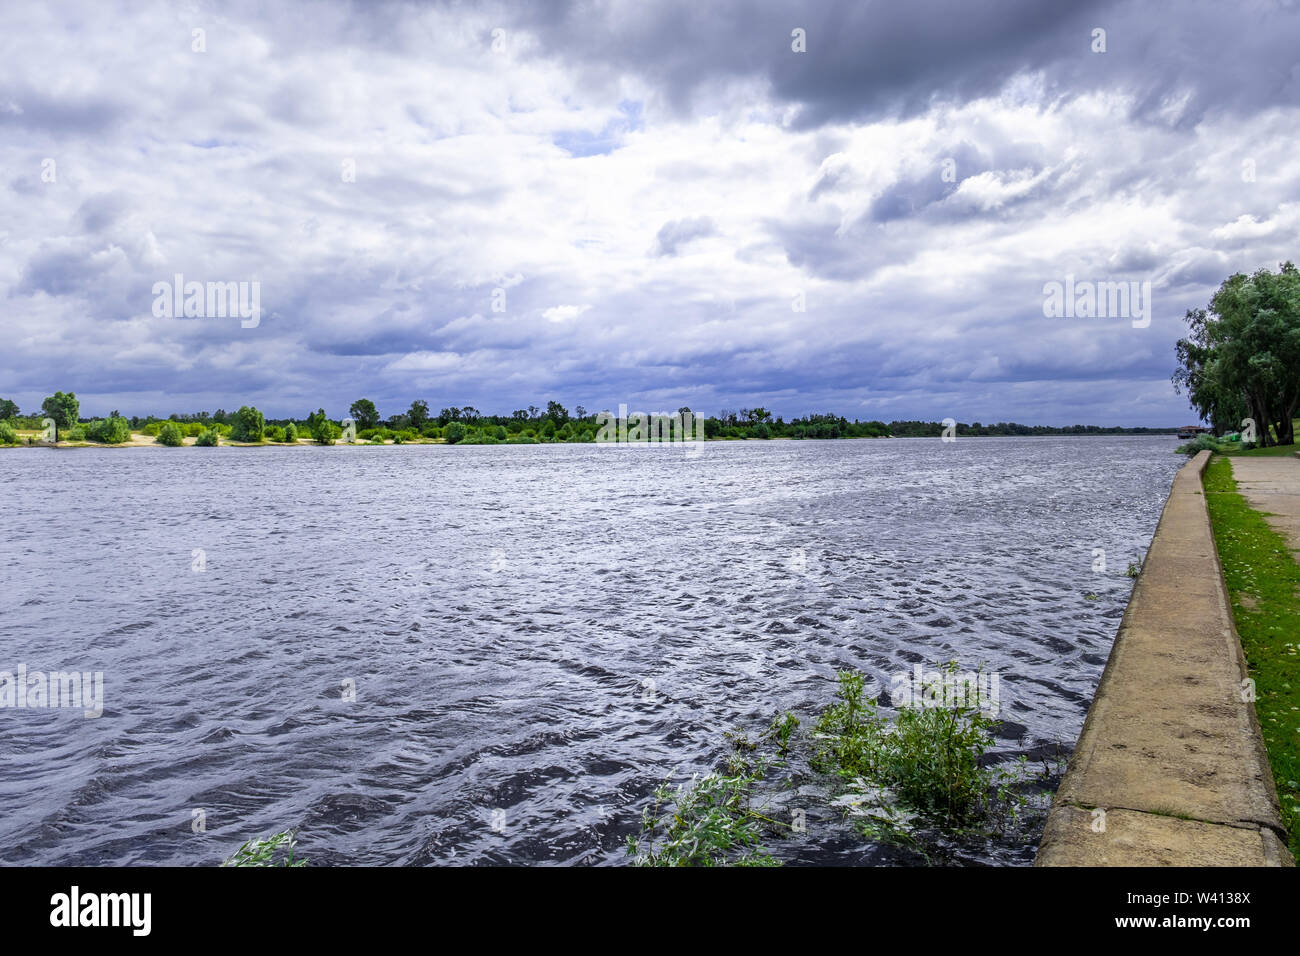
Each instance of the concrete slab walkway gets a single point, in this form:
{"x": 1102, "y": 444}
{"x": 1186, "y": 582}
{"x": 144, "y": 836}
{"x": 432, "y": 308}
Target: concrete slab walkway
{"x": 1170, "y": 768}
{"x": 1272, "y": 485}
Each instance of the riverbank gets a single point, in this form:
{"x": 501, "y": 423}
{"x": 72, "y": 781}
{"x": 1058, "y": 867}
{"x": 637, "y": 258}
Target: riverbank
{"x": 32, "y": 439}
{"x": 1170, "y": 768}
{"x": 141, "y": 440}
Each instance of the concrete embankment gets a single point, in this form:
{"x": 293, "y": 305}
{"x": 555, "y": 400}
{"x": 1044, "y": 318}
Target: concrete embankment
{"x": 1170, "y": 768}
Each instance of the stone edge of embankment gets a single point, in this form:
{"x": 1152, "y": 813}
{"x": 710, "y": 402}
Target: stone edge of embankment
{"x": 1169, "y": 750}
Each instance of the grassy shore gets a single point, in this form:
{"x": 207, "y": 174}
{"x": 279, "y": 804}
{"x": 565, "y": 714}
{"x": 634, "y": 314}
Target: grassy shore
{"x": 1263, "y": 582}
{"x": 141, "y": 440}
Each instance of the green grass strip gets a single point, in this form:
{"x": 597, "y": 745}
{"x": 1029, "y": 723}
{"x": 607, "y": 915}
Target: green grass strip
{"x": 1264, "y": 585}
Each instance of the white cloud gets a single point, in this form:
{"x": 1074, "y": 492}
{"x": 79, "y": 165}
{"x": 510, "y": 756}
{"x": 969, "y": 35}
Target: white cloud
{"x": 562, "y": 313}
{"x": 227, "y": 166}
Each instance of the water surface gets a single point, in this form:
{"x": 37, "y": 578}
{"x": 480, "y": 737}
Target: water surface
{"x": 547, "y": 631}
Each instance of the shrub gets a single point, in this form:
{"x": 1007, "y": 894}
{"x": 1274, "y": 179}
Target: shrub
{"x": 454, "y": 432}
{"x": 431, "y": 430}
{"x": 7, "y": 434}
{"x": 1201, "y": 443}
{"x": 262, "y": 852}
{"x": 709, "y": 823}
{"x": 931, "y": 758}
{"x": 321, "y": 428}
{"x": 109, "y": 431}
{"x": 249, "y": 425}
{"x": 291, "y": 434}
{"x": 75, "y": 433}
{"x": 209, "y": 439}
{"x": 273, "y": 433}
{"x": 170, "y": 434}
{"x": 153, "y": 427}
{"x": 502, "y": 434}
{"x": 194, "y": 429}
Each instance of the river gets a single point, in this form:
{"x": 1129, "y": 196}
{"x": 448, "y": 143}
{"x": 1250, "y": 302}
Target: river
{"x": 426, "y": 654}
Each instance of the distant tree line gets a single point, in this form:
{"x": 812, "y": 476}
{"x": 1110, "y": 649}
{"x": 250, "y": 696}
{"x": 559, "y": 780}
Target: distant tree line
{"x": 468, "y": 425}
{"x": 976, "y": 430}
{"x": 1241, "y": 358}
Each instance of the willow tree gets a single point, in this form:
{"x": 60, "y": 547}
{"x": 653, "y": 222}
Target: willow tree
{"x": 1242, "y": 356}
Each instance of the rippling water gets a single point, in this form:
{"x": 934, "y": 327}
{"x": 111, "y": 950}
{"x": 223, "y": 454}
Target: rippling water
{"x": 544, "y": 630}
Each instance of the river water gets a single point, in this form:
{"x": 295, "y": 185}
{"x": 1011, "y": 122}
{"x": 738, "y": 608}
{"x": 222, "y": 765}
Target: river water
{"x": 425, "y": 654}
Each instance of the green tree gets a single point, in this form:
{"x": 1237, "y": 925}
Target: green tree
{"x": 210, "y": 438}
{"x": 320, "y": 427}
{"x": 454, "y": 432}
{"x": 418, "y": 414}
{"x": 249, "y": 425}
{"x": 291, "y": 434}
{"x": 63, "y": 409}
{"x": 364, "y": 413}
{"x": 8, "y": 409}
{"x": 1243, "y": 354}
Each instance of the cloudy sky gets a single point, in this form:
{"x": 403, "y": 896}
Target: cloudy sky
{"x": 629, "y": 202}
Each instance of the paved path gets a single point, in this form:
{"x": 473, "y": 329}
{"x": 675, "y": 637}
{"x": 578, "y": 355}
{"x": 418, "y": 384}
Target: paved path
{"x": 1170, "y": 751}
{"x": 1272, "y": 485}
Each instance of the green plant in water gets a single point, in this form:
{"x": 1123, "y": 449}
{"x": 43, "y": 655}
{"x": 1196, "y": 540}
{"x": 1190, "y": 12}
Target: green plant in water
{"x": 707, "y": 823}
{"x": 928, "y": 758}
{"x": 848, "y": 732}
{"x": 1134, "y": 570}
{"x": 262, "y": 852}
{"x": 782, "y": 729}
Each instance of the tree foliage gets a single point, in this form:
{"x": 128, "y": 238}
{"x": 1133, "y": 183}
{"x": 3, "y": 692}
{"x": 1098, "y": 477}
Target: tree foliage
{"x": 1241, "y": 358}
{"x": 113, "y": 430}
{"x": 63, "y": 408}
{"x": 248, "y": 425}
{"x": 170, "y": 434}
{"x": 364, "y": 413}
{"x": 322, "y": 430}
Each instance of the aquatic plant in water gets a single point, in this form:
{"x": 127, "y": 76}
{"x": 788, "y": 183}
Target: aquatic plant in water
{"x": 262, "y": 851}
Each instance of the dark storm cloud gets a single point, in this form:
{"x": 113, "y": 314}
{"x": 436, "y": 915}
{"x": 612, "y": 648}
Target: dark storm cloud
{"x": 869, "y": 60}
{"x": 35, "y": 110}
{"x": 101, "y": 211}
